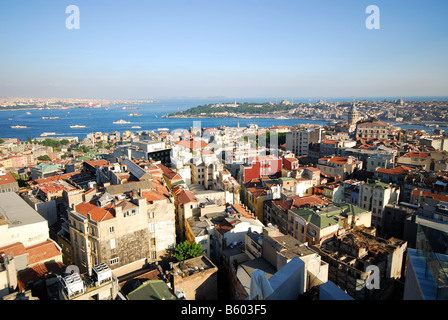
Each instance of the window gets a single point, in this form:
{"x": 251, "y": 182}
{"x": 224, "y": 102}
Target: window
{"x": 111, "y": 229}
{"x": 114, "y": 261}
{"x": 151, "y": 227}
{"x": 112, "y": 243}
{"x": 151, "y": 214}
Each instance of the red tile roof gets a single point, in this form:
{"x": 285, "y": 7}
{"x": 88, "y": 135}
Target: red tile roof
{"x": 96, "y": 213}
{"x": 42, "y": 252}
{"x": 186, "y": 196}
{"x": 97, "y": 163}
{"x": 16, "y": 248}
{"x": 398, "y": 170}
{"x": 329, "y": 141}
{"x": 241, "y": 210}
{"x": 416, "y": 155}
{"x": 52, "y": 178}
{"x": 38, "y": 271}
{"x": 153, "y": 195}
{"x": 192, "y": 143}
{"x": 434, "y": 196}
{"x": 170, "y": 174}
{"x": 7, "y": 178}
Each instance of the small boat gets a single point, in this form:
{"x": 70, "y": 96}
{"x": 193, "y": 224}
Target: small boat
{"x": 77, "y": 126}
{"x": 28, "y": 113}
{"x": 44, "y": 134}
{"x": 163, "y": 129}
{"x": 121, "y": 121}
{"x": 135, "y": 114}
{"x": 19, "y": 127}
{"x": 136, "y": 127}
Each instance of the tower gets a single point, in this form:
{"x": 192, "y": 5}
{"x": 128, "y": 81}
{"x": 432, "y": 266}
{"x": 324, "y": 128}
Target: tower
{"x": 353, "y": 115}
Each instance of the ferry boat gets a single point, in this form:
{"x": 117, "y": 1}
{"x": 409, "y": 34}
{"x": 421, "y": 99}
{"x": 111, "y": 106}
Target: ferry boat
{"x": 77, "y": 126}
{"x": 19, "y": 127}
{"x": 121, "y": 121}
{"x": 49, "y": 118}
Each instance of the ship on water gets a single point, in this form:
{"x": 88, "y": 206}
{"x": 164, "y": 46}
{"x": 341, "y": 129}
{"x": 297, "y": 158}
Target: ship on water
{"x": 49, "y": 118}
{"x": 77, "y": 126}
{"x": 19, "y": 127}
{"x": 134, "y": 114}
{"x": 121, "y": 121}
{"x": 45, "y": 134}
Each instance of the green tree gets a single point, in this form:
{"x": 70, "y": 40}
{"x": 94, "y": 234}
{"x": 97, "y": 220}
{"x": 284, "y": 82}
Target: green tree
{"x": 186, "y": 250}
{"x": 44, "y": 158}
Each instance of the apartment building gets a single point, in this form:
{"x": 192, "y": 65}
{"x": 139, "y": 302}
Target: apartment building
{"x": 299, "y": 141}
{"x": 116, "y": 232}
{"x": 338, "y": 166}
{"x": 372, "y": 129}
{"x": 374, "y": 196}
{"x": 320, "y": 223}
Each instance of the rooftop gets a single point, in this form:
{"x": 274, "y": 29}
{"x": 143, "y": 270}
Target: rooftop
{"x": 7, "y": 178}
{"x": 16, "y": 211}
{"x": 328, "y": 215}
{"x": 152, "y": 290}
{"x": 96, "y": 213}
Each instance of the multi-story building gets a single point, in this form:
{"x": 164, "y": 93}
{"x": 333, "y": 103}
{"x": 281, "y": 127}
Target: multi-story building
{"x": 338, "y": 166}
{"x": 299, "y": 141}
{"x": 117, "y": 232}
{"x": 260, "y": 166}
{"x": 350, "y": 257}
{"x": 316, "y": 225}
{"x": 372, "y": 129}
{"x": 7, "y": 181}
{"x": 19, "y": 222}
{"x": 374, "y": 196}
{"x": 420, "y": 160}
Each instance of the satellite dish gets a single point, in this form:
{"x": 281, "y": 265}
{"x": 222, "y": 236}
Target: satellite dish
{"x": 72, "y": 269}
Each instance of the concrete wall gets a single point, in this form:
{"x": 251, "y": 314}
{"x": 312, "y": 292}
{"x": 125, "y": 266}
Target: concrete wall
{"x": 289, "y": 281}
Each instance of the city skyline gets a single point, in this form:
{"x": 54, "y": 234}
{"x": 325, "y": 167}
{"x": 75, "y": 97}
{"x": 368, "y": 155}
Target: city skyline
{"x": 227, "y": 49}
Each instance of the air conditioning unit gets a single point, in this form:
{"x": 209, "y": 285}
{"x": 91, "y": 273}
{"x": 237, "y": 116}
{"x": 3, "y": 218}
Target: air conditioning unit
{"x": 101, "y": 273}
{"x": 73, "y": 285}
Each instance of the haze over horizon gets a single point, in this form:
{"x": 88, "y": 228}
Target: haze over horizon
{"x": 230, "y": 49}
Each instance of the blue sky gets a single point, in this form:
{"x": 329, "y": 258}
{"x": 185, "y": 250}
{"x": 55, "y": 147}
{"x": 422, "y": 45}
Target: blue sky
{"x": 231, "y": 48}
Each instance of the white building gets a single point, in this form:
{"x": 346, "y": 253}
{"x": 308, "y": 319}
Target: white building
{"x": 374, "y": 196}
{"x": 19, "y": 222}
{"x": 298, "y": 141}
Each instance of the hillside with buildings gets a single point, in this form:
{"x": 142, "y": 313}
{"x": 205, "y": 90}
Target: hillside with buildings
{"x": 312, "y": 216}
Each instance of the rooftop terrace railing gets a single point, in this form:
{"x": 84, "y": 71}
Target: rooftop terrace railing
{"x": 436, "y": 258}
